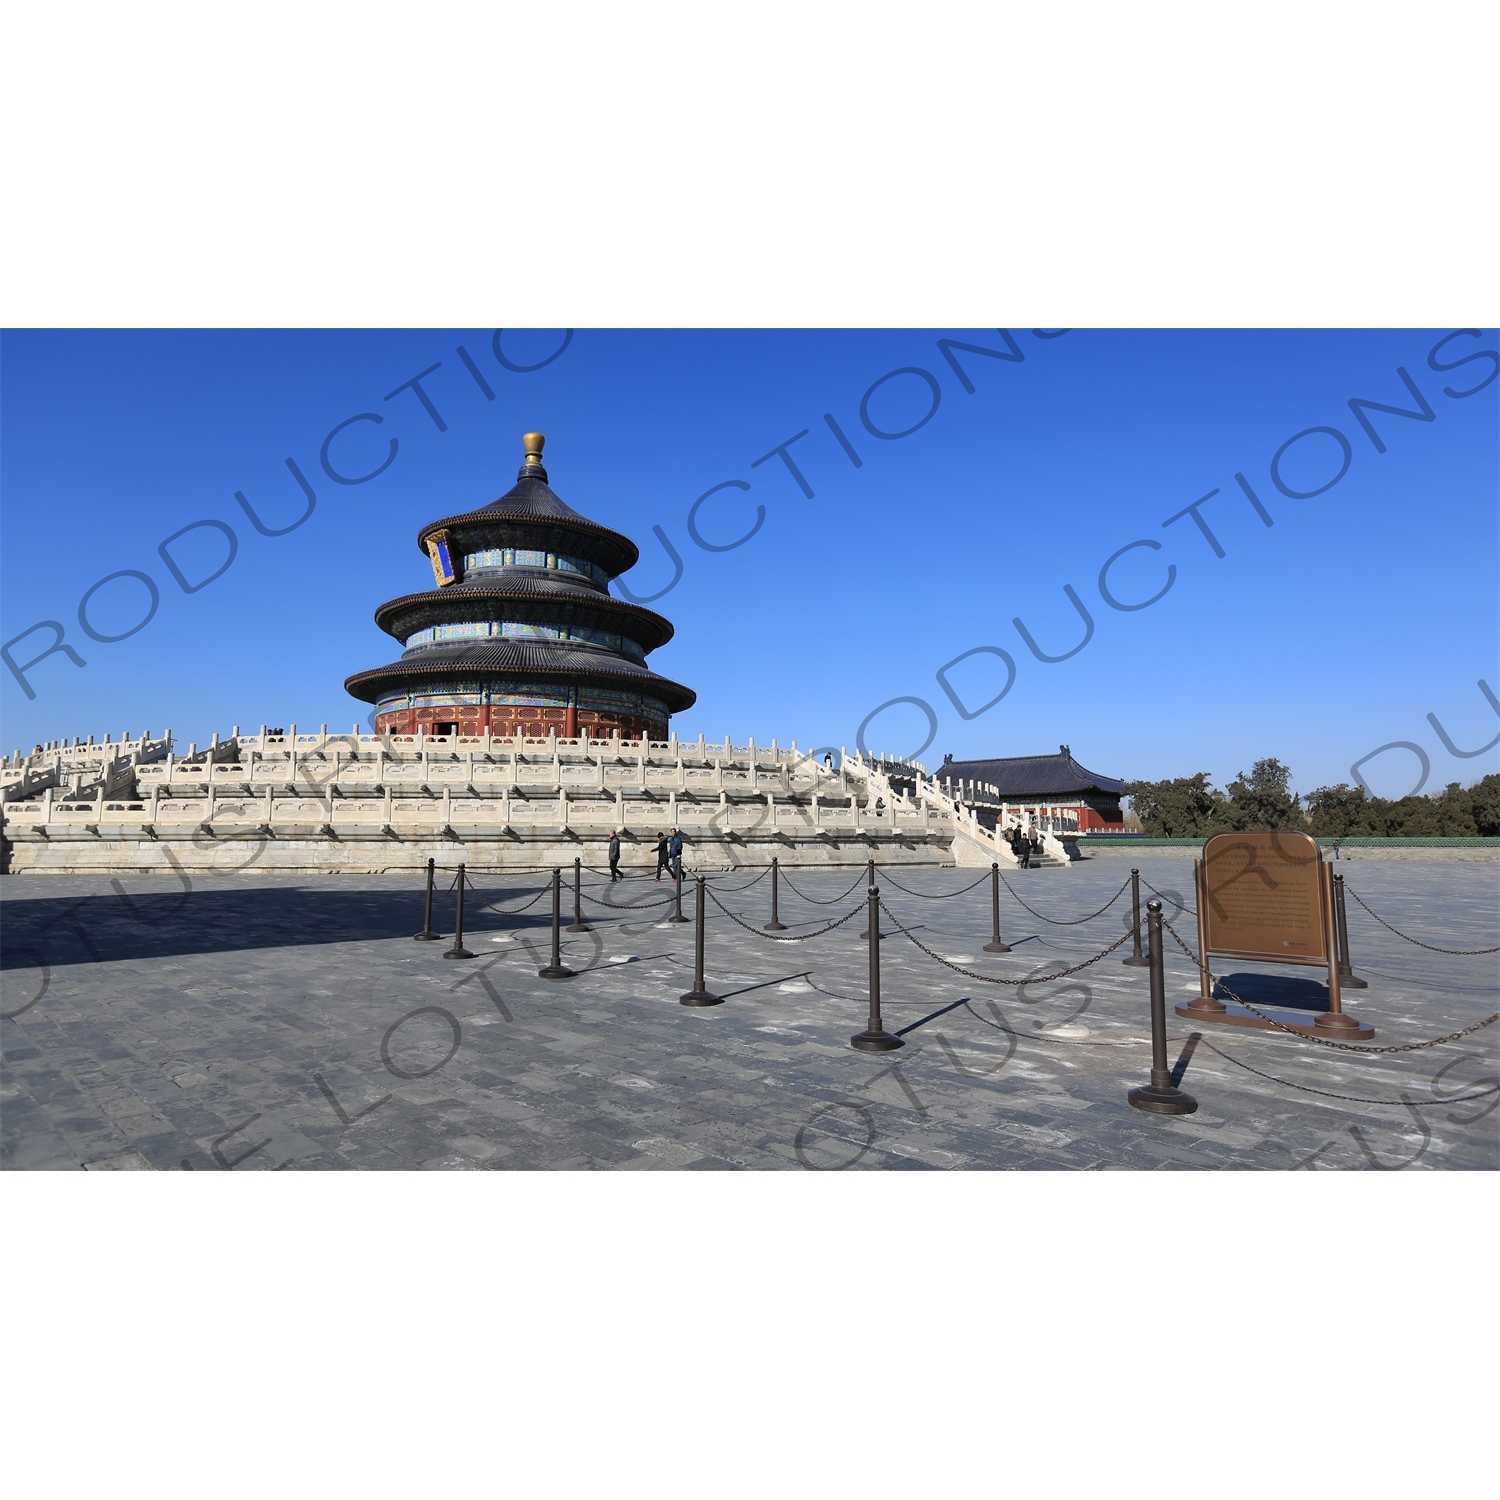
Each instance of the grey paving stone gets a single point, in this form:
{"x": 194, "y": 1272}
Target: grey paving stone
{"x": 179, "y": 1033}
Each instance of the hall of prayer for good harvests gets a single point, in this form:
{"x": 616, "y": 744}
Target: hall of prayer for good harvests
{"x": 521, "y": 636}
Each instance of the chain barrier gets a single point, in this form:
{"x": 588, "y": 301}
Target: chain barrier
{"x": 1061, "y": 1041}
{"x": 1076, "y": 921}
{"x": 735, "y": 889}
{"x": 990, "y": 978}
{"x": 887, "y": 879}
{"x": 512, "y": 870}
{"x": 1455, "y": 952}
{"x": 500, "y": 911}
{"x": 1326, "y": 1094}
{"x": 1227, "y": 1056}
{"x": 1322, "y": 1041}
{"x": 772, "y": 937}
{"x": 1011, "y": 1031}
{"x": 629, "y": 905}
{"x": 1175, "y": 900}
{"x": 597, "y": 870}
{"x": 834, "y": 901}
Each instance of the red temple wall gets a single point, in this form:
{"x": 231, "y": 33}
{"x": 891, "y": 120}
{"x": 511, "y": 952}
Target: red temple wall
{"x": 511, "y": 720}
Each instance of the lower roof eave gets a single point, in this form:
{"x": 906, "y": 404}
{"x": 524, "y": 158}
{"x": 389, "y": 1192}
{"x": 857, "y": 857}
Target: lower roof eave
{"x": 368, "y": 686}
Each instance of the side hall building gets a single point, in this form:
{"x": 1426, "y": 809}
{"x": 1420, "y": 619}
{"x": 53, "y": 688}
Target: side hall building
{"x": 1040, "y": 787}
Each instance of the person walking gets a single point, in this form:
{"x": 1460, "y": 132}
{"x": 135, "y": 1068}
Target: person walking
{"x": 1034, "y": 847}
{"x": 1023, "y": 850}
{"x": 674, "y": 851}
{"x": 662, "y": 862}
{"x": 614, "y": 856}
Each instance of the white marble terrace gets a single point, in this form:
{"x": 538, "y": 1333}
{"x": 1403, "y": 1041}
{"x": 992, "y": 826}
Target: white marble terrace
{"x": 365, "y": 802}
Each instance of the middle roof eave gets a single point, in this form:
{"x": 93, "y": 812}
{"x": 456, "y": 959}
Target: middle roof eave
{"x": 533, "y": 600}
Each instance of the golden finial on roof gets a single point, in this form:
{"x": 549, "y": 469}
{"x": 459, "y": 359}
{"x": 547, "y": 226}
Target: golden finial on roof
{"x": 534, "y": 443}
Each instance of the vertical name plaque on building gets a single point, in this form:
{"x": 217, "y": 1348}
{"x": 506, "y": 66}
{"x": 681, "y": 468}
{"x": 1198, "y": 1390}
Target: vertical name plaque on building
{"x": 442, "y": 559}
{"x": 1267, "y": 898}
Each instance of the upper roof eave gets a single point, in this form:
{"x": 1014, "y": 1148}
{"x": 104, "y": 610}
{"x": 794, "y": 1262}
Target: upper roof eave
{"x": 532, "y": 502}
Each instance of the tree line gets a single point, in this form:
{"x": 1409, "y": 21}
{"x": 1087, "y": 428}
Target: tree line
{"x": 1261, "y": 798}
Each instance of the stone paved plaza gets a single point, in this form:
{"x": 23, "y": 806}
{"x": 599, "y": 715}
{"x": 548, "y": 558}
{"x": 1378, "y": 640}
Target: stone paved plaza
{"x": 269, "y": 1023}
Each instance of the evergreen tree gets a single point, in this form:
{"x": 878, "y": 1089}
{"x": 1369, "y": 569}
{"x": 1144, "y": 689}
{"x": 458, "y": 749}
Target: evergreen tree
{"x": 1339, "y": 812}
{"x": 1484, "y": 804}
{"x": 1184, "y": 807}
{"x": 1261, "y": 799}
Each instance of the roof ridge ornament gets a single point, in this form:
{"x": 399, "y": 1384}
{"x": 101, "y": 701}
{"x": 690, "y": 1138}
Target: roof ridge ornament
{"x": 531, "y": 465}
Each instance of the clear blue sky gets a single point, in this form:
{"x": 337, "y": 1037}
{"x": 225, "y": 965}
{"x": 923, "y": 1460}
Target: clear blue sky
{"x": 1336, "y": 630}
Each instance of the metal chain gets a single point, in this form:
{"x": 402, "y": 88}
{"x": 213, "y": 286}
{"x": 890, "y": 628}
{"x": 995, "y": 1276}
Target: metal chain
{"x": 1061, "y": 1041}
{"x": 1323, "y": 1041}
{"x": 887, "y": 879}
{"x": 815, "y": 901}
{"x": 510, "y": 911}
{"x": 599, "y": 870}
{"x": 1175, "y": 900}
{"x": 771, "y": 937}
{"x": 1348, "y": 1098}
{"x": 1456, "y": 952}
{"x": 1075, "y": 922}
{"x": 605, "y": 870}
{"x": 990, "y": 978}
{"x": 735, "y": 889}
{"x": 518, "y": 870}
{"x": 629, "y": 905}
{"x": 1227, "y": 1056}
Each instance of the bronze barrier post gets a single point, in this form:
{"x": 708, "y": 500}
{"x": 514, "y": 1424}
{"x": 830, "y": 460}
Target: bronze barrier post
{"x": 1348, "y": 979}
{"x": 1137, "y": 959}
{"x": 698, "y": 995}
{"x": 677, "y": 915}
{"x": 556, "y": 969}
{"x": 579, "y": 925}
{"x": 1205, "y": 1006}
{"x": 869, "y": 881}
{"x": 995, "y": 945}
{"x": 875, "y": 1038}
{"x": 774, "y": 925}
{"x": 1161, "y": 1096}
{"x": 1334, "y": 1018}
{"x": 458, "y": 950}
{"x": 427, "y": 935}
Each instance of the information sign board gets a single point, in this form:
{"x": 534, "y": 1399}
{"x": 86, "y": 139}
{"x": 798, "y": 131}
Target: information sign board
{"x": 1263, "y": 897}
{"x": 1267, "y": 897}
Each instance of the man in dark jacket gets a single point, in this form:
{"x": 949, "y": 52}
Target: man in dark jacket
{"x": 1023, "y": 850}
{"x": 674, "y": 851}
{"x": 662, "y": 861}
{"x": 614, "y": 856}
